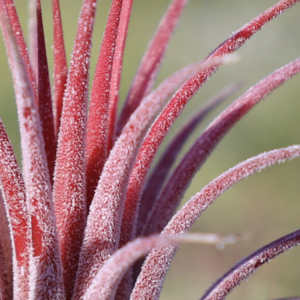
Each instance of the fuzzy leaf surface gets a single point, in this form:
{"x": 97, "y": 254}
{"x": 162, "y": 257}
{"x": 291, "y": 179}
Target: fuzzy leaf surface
{"x": 249, "y": 265}
{"x": 97, "y": 124}
{"x": 60, "y": 63}
{"x": 148, "y": 69}
{"x": 167, "y": 117}
{"x": 103, "y": 226}
{"x": 159, "y": 174}
{"x": 69, "y": 191}
{"x": 117, "y": 70}
{"x": 150, "y": 280}
{"x": 169, "y": 199}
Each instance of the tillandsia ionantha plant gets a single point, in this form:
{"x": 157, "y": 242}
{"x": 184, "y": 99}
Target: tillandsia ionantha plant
{"x": 83, "y": 210}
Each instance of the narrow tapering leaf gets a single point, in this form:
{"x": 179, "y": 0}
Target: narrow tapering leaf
{"x": 32, "y": 38}
{"x": 169, "y": 199}
{"x": 44, "y": 95}
{"x": 106, "y": 281}
{"x": 117, "y": 71}
{"x": 60, "y": 63}
{"x": 13, "y": 19}
{"x": 97, "y": 125}
{"x": 149, "y": 67}
{"x": 151, "y": 278}
{"x": 45, "y": 265}
{"x": 250, "y": 264}
{"x": 69, "y": 179}
{"x": 13, "y": 191}
{"x": 131, "y": 211}
{"x": 170, "y": 113}
{"x": 103, "y": 226}
{"x": 159, "y": 174}
{"x": 130, "y": 214}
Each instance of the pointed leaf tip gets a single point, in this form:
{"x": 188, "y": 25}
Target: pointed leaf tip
{"x": 69, "y": 190}
{"x": 157, "y": 263}
{"x": 249, "y": 264}
{"x": 98, "y": 139}
{"x": 149, "y": 67}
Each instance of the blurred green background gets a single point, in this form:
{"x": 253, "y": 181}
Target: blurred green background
{"x": 266, "y": 204}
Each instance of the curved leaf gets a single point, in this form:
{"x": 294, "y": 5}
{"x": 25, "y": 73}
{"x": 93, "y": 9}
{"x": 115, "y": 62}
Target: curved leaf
{"x": 148, "y": 69}
{"x": 169, "y": 199}
{"x": 104, "y": 220}
{"x": 167, "y": 117}
{"x": 104, "y": 284}
{"x": 44, "y": 257}
{"x": 249, "y": 264}
{"x": 154, "y": 270}
{"x": 159, "y": 174}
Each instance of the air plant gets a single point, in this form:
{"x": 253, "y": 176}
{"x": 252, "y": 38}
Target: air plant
{"x": 83, "y": 209}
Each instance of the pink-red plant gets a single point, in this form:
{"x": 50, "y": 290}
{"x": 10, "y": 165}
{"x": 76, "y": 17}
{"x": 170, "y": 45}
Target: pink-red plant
{"x": 79, "y": 215}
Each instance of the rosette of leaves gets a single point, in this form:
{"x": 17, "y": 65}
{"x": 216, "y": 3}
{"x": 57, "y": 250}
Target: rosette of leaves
{"x": 83, "y": 209}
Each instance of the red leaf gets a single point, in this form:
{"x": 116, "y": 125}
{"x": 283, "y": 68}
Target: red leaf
{"x": 148, "y": 69}
{"x": 106, "y": 281}
{"x": 168, "y": 116}
{"x": 13, "y": 19}
{"x": 150, "y": 280}
{"x": 249, "y": 265}
{"x": 117, "y": 70}
{"x": 69, "y": 182}
{"x": 104, "y": 220}
{"x": 13, "y": 190}
{"x": 32, "y": 38}
{"x": 170, "y": 197}
{"x": 159, "y": 174}
{"x": 45, "y": 262}
{"x": 44, "y": 95}
{"x": 165, "y": 91}
{"x": 60, "y": 63}
{"x": 97, "y": 126}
